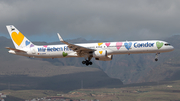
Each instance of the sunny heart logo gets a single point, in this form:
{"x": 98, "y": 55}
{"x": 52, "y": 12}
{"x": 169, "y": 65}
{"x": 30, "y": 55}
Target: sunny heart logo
{"x": 107, "y": 44}
{"x": 159, "y": 44}
{"x": 45, "y": 46}
{"x": 27, "y": 43}
{"x": 128, "y": 45}
{"x": 99, "y": 44}
{"x": 100, "y": 52}
{"x": 17, "y": 38}
{"x": 118, "y": 45}
{"x": 64, "y": 54}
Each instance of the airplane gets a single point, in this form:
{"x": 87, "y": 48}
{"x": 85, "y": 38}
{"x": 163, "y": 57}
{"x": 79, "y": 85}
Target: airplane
{"x": 103, "y": 51}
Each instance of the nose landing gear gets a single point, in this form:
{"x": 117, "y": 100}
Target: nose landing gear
{"x": 156, "y": 58}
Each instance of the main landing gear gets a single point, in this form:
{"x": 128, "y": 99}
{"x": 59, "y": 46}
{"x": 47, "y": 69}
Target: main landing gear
{"x": 87, "y": 62}
{"x": 156, "y": 58}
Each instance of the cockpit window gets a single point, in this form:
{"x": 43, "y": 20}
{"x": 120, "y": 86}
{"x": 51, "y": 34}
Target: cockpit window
{"x": 167, "y": 44}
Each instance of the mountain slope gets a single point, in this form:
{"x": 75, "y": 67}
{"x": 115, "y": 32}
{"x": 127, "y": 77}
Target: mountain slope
{"x": 134, "y": 68}
{"x": 18, "y": 72}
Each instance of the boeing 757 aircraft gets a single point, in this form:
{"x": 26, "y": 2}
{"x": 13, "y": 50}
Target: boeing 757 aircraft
{"x": 100, "y": 51}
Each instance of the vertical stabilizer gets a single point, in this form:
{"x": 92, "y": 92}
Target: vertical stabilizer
{"x": 19, "y": 40}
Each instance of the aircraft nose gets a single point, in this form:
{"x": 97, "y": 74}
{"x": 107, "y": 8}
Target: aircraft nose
{"x": 172, "y": 48}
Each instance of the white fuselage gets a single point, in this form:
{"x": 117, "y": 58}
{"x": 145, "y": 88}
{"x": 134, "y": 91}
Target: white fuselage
{"x": 112, "y": 48}
{"x": 100, "y": 51}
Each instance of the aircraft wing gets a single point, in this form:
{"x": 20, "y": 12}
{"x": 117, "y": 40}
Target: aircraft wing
{"x": 79, "y": 49}
{"x": 16, "y": 50}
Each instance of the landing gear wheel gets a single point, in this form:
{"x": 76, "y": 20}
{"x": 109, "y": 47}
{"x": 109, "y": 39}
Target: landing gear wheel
{"x": 90, "y": 63}
{"x": 83, "y": 62}
{"x": 87, "y": 64}
{"x": 156, "y": 59}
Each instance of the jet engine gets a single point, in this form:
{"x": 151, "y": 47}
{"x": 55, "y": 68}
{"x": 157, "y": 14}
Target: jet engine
{"x": 102, "y": 55}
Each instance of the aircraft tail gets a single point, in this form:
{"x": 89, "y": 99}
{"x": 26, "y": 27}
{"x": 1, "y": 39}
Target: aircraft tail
{"x": 19, "y": 40}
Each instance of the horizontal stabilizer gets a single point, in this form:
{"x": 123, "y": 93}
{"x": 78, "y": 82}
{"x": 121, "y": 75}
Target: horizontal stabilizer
{"x": 16, "y": 50}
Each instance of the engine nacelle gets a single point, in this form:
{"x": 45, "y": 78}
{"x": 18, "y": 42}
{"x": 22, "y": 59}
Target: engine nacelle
{"x": 102, "y": 55}
{"x": 108, "y": 58}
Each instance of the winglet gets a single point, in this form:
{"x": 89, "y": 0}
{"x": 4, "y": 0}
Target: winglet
{"x": 60, "y": 38}
{"x": 75, "y": 47}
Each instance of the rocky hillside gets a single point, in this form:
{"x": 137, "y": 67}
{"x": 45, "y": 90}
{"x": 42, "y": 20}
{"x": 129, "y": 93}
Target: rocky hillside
{"x": 134, "y": 68}
{"x": 18, "y": 72}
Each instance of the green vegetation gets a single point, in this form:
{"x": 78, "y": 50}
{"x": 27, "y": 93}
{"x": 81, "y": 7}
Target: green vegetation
{"x": 161, "y": 91}
{"x": 165, "y": 91}
{"x": 29, "y": 94}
